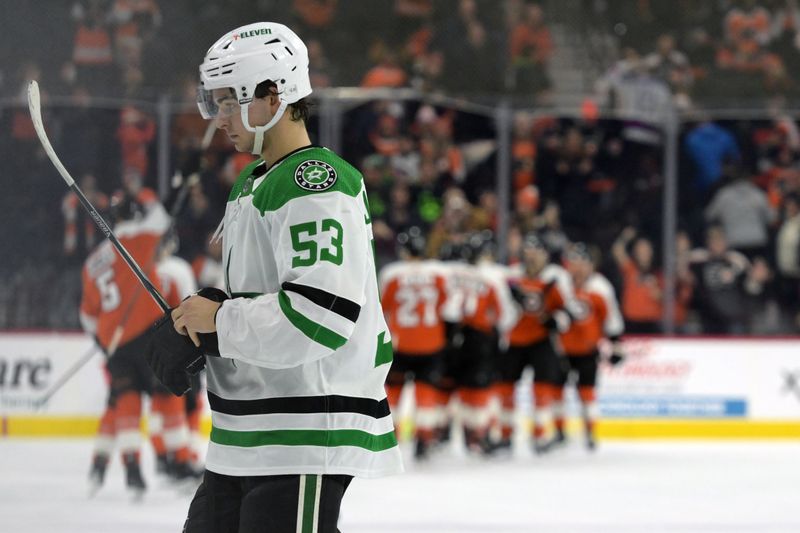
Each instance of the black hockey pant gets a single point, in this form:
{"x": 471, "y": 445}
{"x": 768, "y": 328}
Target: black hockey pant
{"x": 266, "y": 504}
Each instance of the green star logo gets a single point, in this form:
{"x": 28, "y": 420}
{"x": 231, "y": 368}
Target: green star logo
{"x": 315, "y": 175}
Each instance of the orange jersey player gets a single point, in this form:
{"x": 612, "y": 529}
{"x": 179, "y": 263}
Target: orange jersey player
{"x": 540, "y": 289}
{"x": 412, "y": 294}
{"x": 595, "y": 316}
{"x": 110, "y": 289}
{"x": 487, "y": 313}
{"x": 118, "y": 311}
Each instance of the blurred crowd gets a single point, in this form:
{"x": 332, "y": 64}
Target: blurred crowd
{"x": 144, "y": 48}
{"x": 718, "y": 53}
{"x": 585, "y": 178}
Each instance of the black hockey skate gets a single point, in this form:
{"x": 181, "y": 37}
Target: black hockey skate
{"x": 97, "y": 474}
{"x": 133, "y": 478}
{"x": 591, "y": 443}
{"x": 422, "y": 450}
{"x": 501, "y": 447}
{"x": 542, "y": 446}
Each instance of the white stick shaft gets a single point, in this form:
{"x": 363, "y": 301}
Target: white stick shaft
{"x": 35, "y": 107}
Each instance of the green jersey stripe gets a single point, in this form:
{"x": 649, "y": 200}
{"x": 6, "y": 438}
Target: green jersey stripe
{"x": 304, "y": 437}
{"x": 316, "y": 332}
{"x": 309, "y": 503}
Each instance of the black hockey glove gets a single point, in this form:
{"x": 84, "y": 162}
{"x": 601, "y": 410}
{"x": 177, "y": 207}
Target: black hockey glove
{"x": 517, "y": 294}
{"x": 549, "y": 322}
{"x": 208, "y": 341}
{"x": 617, "y": 354}
{"x": 170, "y": 354}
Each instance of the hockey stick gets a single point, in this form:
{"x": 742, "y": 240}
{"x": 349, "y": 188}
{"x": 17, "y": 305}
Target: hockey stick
{"x": 78, "y": 365}
{"x": 177, "y": 205}
{"x": 34, "y": 106}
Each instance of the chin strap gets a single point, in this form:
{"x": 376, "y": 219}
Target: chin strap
{"x": 258, "y": 142}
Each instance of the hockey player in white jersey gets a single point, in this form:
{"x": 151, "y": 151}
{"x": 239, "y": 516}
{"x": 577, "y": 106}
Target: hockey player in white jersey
{"x": 487, "y": 313}
{"x": 297, "y": 351}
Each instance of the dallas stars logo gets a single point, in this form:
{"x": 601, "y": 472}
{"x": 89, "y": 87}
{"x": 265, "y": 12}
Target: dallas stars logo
{"x": 315, "y": 176}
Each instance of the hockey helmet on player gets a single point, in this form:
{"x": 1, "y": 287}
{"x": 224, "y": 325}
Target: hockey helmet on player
{"x": 579, "y": 251}
{"x": 124, "y": 206}
{"x": 535, "y": 254}
{"x": 579, "y": 259}
{"x": 411, "y": 242}
{"x": 247, "y": 56}
{"x": 450, "y": 251}
{"x": 532, "y": 241}
{"x": 479, "y": 245}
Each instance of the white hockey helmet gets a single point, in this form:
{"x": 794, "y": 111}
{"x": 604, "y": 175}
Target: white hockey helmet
{"x": 247, "y": 56}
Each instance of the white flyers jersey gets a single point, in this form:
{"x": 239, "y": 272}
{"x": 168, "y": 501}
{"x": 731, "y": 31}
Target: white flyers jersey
{"x": 177, "y": 272}
{"x": 614, "y": 325}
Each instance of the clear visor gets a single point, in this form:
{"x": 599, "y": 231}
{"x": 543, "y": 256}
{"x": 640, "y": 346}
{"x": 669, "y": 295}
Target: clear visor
{"x": 217, "y": 103}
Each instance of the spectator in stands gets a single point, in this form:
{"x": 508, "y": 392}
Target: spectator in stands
{"x": 642, "y": 283}
{"x": 727, "y": 285}
{"x": 701, "y": 51}
{"x": 708, "y": 145}
{"x": 378, "y": 182}
{"x": 787, "y": 259}
{"x": 92, "y": 52}
{"x": 747, "y": 32}
{"x": 80, "y": 231}
{"x": 321, "y": 71}
{"x": 671, "y": 66}
{"x": 315, "y": 15}
{"x": 744, "y": 213}
{"x": 136, "y": 131}
{"x": 459, "y": 219}
{"x": 387, "y": 71}
{"x": 196, "y": 221}
{"x": 566, "y": 182}
{"x": 385, "y": 138}
{"x": 548, "y": 226}
{"x": 748, "y": 22}
{"x": 134, "y": 22}
{"x": 778, "y": 155}
{"x": 408, "y": 18}
{"x": 531, "y": 47}
{"x": 406, "y": 162}
{"x": 786, "y": 34}
{"x": 469, "y": 57}
{"x": 526, "y": 204}
{"x": 523, "y": 152}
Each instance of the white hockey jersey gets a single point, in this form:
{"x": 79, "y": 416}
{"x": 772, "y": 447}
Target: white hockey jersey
{"x": 299, "y": 388}
{"x": 614, "y": 325}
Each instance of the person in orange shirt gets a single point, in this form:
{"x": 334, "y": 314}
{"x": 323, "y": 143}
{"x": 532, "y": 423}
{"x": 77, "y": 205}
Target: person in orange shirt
{"x": 540, "y": 289}
{"x": 595, "y": 316}
{"x": 642, "y": 284}
{"x": 118, "y": 312}
{"x": 413, "y": 292}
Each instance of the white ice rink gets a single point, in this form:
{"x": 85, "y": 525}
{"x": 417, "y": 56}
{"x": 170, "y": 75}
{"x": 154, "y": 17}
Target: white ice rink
{"x": 622, "y": 487}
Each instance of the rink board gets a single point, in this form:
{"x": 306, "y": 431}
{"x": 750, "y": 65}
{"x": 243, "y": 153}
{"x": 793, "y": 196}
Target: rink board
{"x": 668, "y": 388}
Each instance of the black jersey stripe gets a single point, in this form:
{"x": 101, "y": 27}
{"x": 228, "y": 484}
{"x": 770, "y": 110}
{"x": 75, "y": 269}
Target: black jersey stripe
{"x": 341, "y": 306}
{"x": 300, "y": 405}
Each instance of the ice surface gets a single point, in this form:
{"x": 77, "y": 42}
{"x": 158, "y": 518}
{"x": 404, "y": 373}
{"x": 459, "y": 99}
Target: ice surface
{"x": 624, "y": 487}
